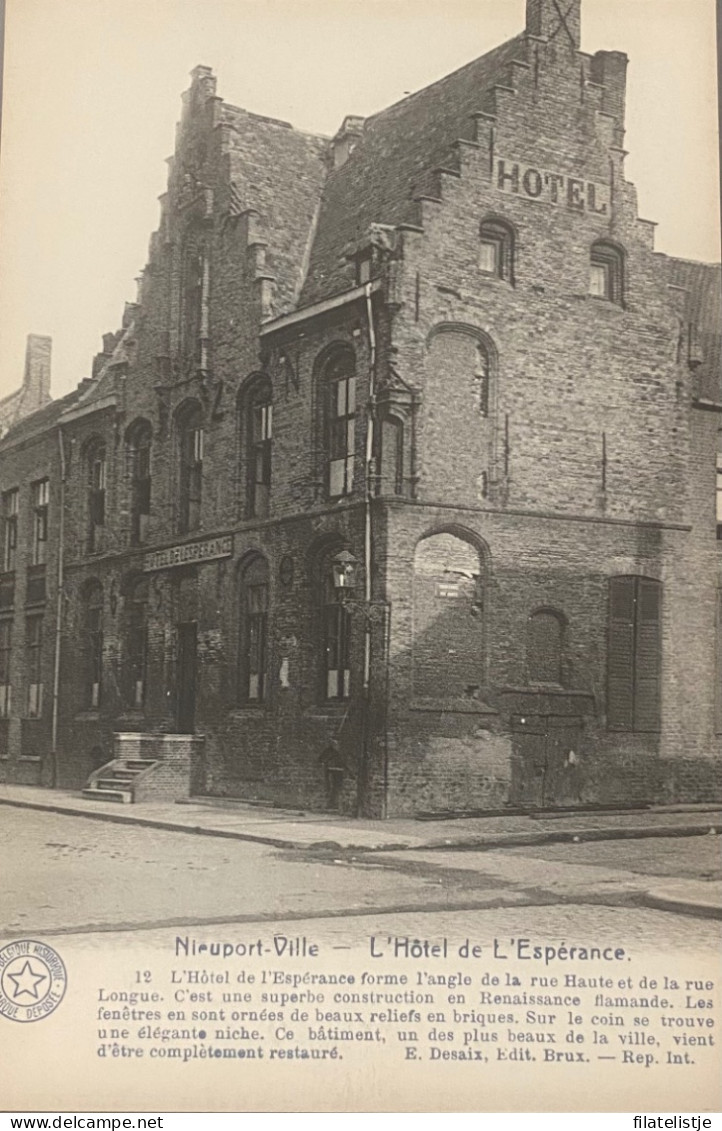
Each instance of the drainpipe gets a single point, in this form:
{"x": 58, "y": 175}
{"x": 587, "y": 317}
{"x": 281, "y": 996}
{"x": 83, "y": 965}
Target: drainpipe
{"x": 362, "y": 785}
{"x": 58, "y": 613}
{"x": 370, "y": 427}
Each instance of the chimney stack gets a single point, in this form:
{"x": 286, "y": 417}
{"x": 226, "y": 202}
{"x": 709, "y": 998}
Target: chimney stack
{"x": 36, "y": 380}
{"x": 558, "y": 20}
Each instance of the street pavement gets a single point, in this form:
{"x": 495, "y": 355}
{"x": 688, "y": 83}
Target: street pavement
{"x": 408, "y": 846}
{"x": 63, "y": 873}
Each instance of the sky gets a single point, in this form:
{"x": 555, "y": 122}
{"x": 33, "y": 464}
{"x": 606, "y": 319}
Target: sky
{"x": 92, "y": 94}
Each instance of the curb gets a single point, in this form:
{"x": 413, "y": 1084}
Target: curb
{"x": 662, "y": 900}
{"x": 472, "y": 843}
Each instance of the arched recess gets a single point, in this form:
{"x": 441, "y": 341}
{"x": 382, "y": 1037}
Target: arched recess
{"x": 545, "y": 638}
{"x": 449, "y": 614}
{"x": 460, "y": 395}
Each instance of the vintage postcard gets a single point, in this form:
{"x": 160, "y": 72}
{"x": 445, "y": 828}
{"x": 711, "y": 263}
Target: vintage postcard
{"x": 360, "y": 590}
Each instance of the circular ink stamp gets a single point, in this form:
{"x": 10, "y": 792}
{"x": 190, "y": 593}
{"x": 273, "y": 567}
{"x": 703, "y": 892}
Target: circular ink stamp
{"x": 32, "y": 980}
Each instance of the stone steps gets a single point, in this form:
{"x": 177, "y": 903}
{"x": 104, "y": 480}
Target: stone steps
{"x": 116, "y": 782}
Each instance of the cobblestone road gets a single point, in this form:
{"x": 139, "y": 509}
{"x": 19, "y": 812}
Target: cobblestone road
{"x": 64, "y": 873}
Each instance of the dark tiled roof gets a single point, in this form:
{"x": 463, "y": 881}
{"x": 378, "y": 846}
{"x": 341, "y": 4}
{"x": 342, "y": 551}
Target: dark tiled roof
{"x": 391, "y": 163}
{"x": 279, "y": 172}
{"x": 39, "y": 421}
{"x": 703, "y": 282}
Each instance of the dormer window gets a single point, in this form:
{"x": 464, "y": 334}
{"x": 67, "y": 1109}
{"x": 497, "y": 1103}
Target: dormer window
{"x": 496, "y": 250}
{"x": 606, "y": 272}
{"x": 363, "y": 269}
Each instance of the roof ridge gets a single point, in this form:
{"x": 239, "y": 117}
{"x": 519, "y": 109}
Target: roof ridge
{"x": 446, "y": 78}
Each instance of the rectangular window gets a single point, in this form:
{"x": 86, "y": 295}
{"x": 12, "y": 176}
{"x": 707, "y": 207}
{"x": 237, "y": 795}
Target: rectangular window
{"x": 598, "y": 280}
{"x": 257, "y": 631}
{"x": 261, "y": 436}
{"x": 137, "y": 645}
{"x": 140, "y": 494}
{"x": 96, "y": 501}
{"x": 10, "y": 501}
{"x": 337, "y": 640}
{"x": 635, "y": 654}
{"x": 41, "y": 500}
{"x": 6, "y": 633}
{"x": 34, "y": 665}
{"x": 191, "y": 479}
{"x": 489, "y": 257}
{"x": 342, "y": 435}
{"x": 94, "y": 657}
{"x": 719, "y": 496}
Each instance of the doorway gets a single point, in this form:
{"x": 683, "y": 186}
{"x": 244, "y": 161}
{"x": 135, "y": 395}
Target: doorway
{"x": 186, "y": 677}
{"x": 545, "y": 761}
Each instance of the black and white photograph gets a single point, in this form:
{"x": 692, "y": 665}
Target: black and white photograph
{"x": 360, "y": 557}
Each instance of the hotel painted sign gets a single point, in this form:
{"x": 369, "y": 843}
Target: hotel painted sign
{"x": 532, "y": 183}
{"x": 209, "y": 550}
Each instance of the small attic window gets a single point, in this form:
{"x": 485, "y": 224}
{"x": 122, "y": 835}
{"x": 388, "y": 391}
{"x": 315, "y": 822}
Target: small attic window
{"x": 496, "y": 249}
{"x": 363, "y": 269}
{"x": 606, "y": 272}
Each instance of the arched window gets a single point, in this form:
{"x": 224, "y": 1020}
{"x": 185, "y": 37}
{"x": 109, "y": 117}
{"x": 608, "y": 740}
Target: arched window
{"x": 92, "y": 611}
{"x": 496, "y": 249}
{"x": 448, "y": 617}
{"x": 259, "y": 432}
{"x": 138, "y": 445}
{"x": 253, "y": 632}
{"x": 96, "y": 472}
{"x": 339, "y": 387}
{"x": 606, "y": 272}
{"x": 545, "y": 631}
{"x": 136, "y": 643}
{"x": 481, "y": 379}
{"x": 634, "y": 659}
{"x": 335, "y": 637}
{"x": 190, "y": 452}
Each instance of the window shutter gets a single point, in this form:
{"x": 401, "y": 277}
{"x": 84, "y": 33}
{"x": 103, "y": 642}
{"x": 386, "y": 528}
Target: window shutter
{"x": 649, "y": 656}
{"x": 620, "y": 673}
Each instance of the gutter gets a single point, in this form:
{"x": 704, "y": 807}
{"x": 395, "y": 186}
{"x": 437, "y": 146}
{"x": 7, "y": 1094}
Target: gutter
{"x": 317, "y": 308}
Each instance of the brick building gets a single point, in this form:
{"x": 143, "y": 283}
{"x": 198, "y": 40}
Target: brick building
{"x": 408, "y": 441}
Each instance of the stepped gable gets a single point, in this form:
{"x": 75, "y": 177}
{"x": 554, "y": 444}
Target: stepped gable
{"x": 392, "y": 163}
{"x": 703, "y": 284}
{"x": 278, "y": 172}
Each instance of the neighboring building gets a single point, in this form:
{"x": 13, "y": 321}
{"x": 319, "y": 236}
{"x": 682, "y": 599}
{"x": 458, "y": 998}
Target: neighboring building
{"x": 441, "y": 344}
{"x": 34, "y": 393}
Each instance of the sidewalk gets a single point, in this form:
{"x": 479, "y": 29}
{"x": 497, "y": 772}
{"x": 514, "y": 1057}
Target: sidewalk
{"x": 418, "y": 841}
{"x": 297, "y": 829}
